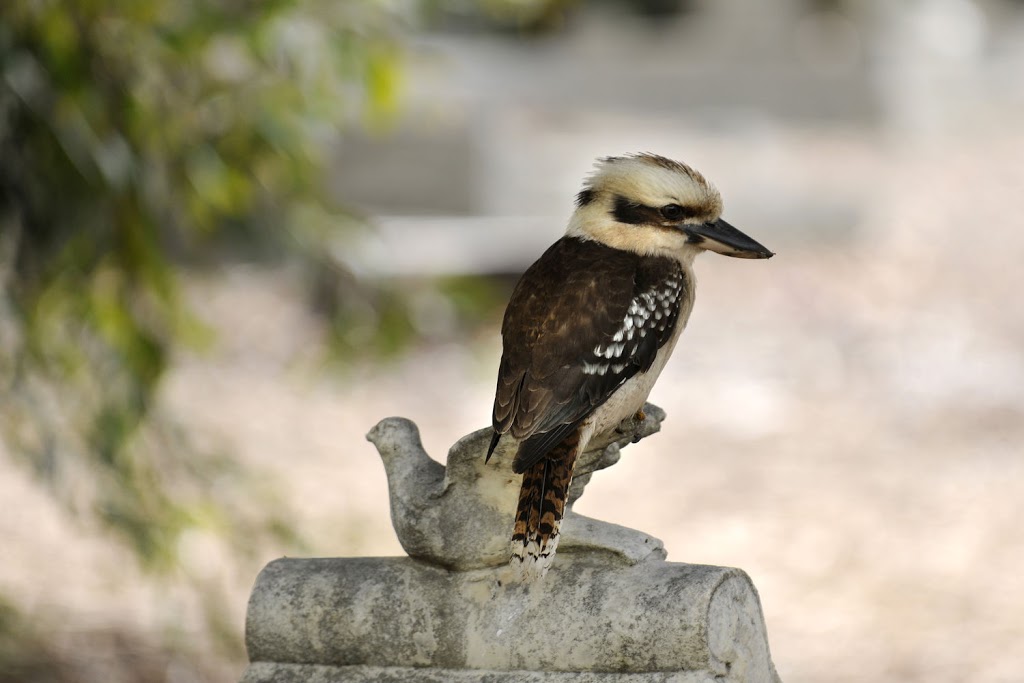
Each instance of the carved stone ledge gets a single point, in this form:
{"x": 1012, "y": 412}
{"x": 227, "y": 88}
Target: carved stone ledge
{"x": 383, "y": 619}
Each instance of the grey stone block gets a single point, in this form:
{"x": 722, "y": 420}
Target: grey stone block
{"x": 368, "y": 618}
{"x": 268, "y": 672}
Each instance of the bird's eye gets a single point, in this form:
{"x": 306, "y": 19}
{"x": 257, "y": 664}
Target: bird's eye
{"x": 672, "y": 212}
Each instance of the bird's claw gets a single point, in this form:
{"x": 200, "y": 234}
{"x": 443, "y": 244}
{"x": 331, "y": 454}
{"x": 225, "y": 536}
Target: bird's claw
{"x": 631, "y": 425}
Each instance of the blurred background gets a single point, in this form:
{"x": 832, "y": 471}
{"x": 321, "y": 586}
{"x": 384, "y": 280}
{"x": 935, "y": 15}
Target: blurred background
{"x": 234, "y": 235}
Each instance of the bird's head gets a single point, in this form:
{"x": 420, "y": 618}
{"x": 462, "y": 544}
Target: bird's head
{"x": 651, "y": 205}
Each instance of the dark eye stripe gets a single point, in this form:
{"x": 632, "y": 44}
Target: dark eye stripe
{"x": 675, "y": 212}
{"x": 625, "y": 211}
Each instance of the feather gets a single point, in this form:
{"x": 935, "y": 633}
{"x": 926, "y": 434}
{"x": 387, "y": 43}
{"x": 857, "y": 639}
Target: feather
{"x": 541, "y": 506}
{"x": 579, "y": 324}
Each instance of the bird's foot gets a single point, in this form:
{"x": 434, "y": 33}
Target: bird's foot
{"x": 641, "y": 424}
{"x": 630, "y": 426}
{"x": 638, "y": 420}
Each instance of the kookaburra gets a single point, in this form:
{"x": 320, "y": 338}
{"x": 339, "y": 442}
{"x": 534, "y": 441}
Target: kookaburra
{"x": 591, "y": 324}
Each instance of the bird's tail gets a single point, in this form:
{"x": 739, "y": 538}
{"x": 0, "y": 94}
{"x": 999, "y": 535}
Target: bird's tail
{"x": 542, "y": 501}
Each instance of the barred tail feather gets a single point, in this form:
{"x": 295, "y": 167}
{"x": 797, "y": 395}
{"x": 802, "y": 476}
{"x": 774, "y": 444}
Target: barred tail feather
{"x": 542, "y": 501}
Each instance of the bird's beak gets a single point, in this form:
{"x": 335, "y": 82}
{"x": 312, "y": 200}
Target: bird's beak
{"x": 721, "y": 237}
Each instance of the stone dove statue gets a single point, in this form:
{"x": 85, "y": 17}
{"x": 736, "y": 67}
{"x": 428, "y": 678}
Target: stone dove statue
{"x": 459, "y": 516}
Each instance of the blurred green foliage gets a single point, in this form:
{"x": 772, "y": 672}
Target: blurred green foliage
{"x": 141, "y": 138}
{"x": 136, "y": 137}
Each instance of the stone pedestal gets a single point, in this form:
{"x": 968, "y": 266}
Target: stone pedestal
{"x": 610, "y": 608}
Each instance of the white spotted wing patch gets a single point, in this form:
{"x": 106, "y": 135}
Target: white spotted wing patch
{"x": 649, "y": 313}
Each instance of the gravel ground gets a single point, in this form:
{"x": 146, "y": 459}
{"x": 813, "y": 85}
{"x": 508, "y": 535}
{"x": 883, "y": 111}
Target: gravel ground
{"x": 845, "y": 422}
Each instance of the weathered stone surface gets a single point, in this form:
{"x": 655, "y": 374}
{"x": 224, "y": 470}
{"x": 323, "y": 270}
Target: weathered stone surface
{"x": 610, "y": 608}
{"x": 461, "y": 516}
{"x": 269, "y": 672}
{"x": 584, "y": 616}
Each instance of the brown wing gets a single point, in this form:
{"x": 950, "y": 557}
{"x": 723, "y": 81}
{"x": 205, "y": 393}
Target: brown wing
{"x": 565, "y": 349}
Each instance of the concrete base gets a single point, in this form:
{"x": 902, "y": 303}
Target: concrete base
{"x": 264, "y": 672}
{"x": 399, "y": 619}
{"x": 610, "y": 608}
